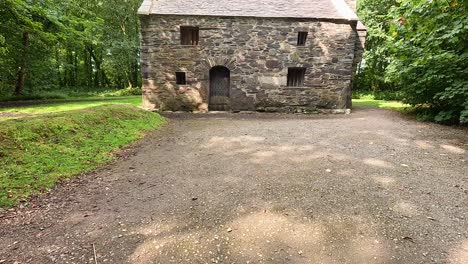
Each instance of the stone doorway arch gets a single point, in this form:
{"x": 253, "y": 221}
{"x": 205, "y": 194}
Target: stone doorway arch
{"x": 220, "y": 85}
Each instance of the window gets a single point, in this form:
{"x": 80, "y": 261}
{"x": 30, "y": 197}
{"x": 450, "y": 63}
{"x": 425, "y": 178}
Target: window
{"x": 302, "y": 38}
{"x": 189, "y": 35}
{"x": 296, "y": 77}
{"x": 180, "y": 78}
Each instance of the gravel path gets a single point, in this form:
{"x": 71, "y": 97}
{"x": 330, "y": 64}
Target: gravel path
{"x": 370, "y": 187}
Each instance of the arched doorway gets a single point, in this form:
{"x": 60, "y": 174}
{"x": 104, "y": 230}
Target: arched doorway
{"x": 220, "y": 80}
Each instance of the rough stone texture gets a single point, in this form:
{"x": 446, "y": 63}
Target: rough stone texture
{"x": 258, "y": 52}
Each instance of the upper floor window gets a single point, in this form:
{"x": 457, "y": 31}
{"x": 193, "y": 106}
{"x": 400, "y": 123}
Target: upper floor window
{"x": 189, "y": 35}
{"x": 296, "y": 76}
{"x": 302, "y": 38}
{"x": 181, "y": 78}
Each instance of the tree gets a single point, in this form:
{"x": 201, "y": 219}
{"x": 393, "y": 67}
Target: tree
{"x": 419, "y": 48}
{"x": 24, "y": 22}
{"x": 79, "y": 44}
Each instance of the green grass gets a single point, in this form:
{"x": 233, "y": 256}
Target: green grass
{"x": 47, "y": 93}
{"x": 380, "y": 103}
{"x": 36, "y": 152}
{"x": 62, "y": 105}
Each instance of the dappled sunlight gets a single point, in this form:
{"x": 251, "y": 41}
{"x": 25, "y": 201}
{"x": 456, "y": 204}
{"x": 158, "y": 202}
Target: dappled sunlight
{"x": 401, "y": 138}
{"x": 405, "y": 209}
{"x": 154, "y": 229}
{"x": 380, "y": 103}
{"x": 230, "y": 142}
{"x": 264, "y": 236}
{"x": 367, "y": 249}
{"x": 232, "y": 179}
{"x": 378, "y": 163}
{"x": 320, "y": 155}
{"x": 158, "y": 236}
{"x": 423, "y": 144}
{"x": 459, "y": 255}
{"x": 240, "y": 151}
{"x": 453, "y": 149}
{"x": 306, "y": 158}
{"x": 384, "y": 181}
{"x": 293, "y": 148}
{"x": 258, "y": 151}
{"x": 347, "y": 173}
{"x": 264, "y": 154}
{"x": 261, "y": 156}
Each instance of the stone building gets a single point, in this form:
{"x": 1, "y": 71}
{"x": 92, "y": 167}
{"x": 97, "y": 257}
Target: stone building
{"x": 244, "y": 55}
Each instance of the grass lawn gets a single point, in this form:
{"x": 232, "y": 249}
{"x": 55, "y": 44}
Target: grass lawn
{"x": 38, "y": 151}
{"x": 381, "y": 104}
{"x": 40, "y": 107}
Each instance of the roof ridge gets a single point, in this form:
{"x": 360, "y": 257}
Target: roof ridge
{"x": 317, "y": 9}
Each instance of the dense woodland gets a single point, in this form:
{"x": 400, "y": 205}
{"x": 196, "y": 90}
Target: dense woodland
{"x": 416, "y": 50}
{"x": 62, "y": 44}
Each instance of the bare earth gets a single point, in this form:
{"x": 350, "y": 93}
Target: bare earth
{"x": 370, "y": 187}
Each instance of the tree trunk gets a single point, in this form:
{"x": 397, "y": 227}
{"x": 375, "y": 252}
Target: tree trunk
{"x": 135, "y": 73}
{"x": 59, "y": 73}
{"x": 99, "y": 79}
{"x": 88, "y": 68}
{"x": 75, "y": 67}
{"x": 23, "y": 68}
{"x": 68, "y": 70}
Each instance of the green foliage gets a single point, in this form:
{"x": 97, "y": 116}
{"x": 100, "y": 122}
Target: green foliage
{"x": 123, "y": 92}
{"x": 37, "y": 152}
{"x": 419, "y": 48}
{"x": 378, "y": 95}
{"x": 464, "y": 115}
{"x": 53, "y": 92}
{"x": 68, "y": 44}
{"x": 371, "y": 75}
{"x": 36, "y": 96}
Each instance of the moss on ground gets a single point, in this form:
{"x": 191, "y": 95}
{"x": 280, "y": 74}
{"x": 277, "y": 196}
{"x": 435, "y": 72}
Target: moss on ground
{"x": 38, "y": 151}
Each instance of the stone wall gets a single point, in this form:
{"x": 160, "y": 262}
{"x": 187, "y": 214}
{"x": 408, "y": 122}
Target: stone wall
{"x": 258, "y": 52}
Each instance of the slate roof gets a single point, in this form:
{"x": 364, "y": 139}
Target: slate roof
{"x": 320, "y": 9}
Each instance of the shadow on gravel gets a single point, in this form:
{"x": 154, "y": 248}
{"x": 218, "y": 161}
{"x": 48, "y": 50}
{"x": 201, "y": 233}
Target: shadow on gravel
{"x": 369, "y": 188}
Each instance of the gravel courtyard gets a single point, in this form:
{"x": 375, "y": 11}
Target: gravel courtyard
{"x": 370, "y": 187}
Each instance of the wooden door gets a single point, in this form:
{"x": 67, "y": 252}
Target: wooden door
{"x": 219, "y": 89}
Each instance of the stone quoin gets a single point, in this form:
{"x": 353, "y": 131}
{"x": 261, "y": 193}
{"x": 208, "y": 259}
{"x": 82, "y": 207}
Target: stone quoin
{"x": 243, "y": 55}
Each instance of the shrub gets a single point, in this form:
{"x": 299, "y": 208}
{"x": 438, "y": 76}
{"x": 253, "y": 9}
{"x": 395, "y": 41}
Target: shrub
{"x": 123, "y": 92}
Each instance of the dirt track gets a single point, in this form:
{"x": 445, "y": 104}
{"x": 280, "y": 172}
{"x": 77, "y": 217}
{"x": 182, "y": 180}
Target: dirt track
{"x": 369, "y": 187}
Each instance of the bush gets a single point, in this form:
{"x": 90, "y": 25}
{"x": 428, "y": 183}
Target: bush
{"x": 37, "y": 96}
{"x": 44, "y": 93}
{"x": 429, "y": 60}
{"x": 122, "y": 92}
{"x": 419, "y": 48}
